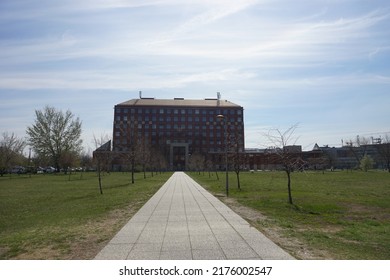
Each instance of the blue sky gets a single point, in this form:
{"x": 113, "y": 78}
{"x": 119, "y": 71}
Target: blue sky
{"x": 323, "y": 64}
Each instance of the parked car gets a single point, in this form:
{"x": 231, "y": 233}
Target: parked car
{"x": 40, "y": 170}
{"x": 50, "y": 169}
{"x": 18, "y": 170}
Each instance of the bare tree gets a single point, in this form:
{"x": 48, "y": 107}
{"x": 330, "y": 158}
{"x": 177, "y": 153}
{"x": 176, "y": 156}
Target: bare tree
{"x": 384, "y": 151}
{"x": 11, "y": 148}
{"x": 102, "y": 157}
{"x": 209, "y": 166}
{"x": 197, "y": 162}
{"x": 288, "y": 157}
{"x": 237, "y": 157}
{"x": 144, "y": 154}
{"x": 55, "y": 133}
{"x": 128, "y": 148}
{"x": 358, "y": 148}
{"x": 86, "y": 160}
{"x": 158, "y": 162}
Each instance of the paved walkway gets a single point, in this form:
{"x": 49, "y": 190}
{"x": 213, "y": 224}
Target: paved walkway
{"x": 183, "y": 221}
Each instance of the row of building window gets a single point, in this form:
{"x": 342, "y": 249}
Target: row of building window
{"x": 175, "y": 126}
{"x": 124, "y": 142}
{"x": 177, "y": 111}
{"x": 209, "y": 145}
{"x": 175, "y": 119}
{"x": 203, "y": 150}
{"x": 170, "y": 133}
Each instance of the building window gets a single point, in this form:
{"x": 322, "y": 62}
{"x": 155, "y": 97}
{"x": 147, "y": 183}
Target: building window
{"x": 161, "y": 111}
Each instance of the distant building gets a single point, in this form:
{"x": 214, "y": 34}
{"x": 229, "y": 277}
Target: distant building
{"x": 319, "y": 158}
{"x": 175, "y": 129}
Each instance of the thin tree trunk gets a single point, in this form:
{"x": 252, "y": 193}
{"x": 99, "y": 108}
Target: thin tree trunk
{"x": 238, "y": 180}
{"x": 289, "y": 186}
{"x": 100, "y": 181}
{"x": 132, "y": 171}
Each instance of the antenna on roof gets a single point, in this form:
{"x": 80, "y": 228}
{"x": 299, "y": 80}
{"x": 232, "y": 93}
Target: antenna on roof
{"x": 218, "y": 97}
{"x": 140, "y": 94}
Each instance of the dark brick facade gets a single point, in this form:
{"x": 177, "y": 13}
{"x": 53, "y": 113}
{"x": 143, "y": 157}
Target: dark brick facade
{"x": 177, "y": 129}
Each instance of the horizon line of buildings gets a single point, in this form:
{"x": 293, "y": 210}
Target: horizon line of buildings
{"x": 175, "y": 130}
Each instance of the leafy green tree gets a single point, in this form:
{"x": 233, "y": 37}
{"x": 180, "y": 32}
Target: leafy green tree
{"x": 366, "y": 163}
{"x": 55, "y": 134}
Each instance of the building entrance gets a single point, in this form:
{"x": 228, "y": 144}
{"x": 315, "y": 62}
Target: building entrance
{"x": 179, "y": 156}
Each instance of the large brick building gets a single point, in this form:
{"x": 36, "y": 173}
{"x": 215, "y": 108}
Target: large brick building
{"x": 177, "y": 129}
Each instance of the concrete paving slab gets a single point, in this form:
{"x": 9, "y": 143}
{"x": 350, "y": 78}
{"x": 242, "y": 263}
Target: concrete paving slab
{"x": 114, "y": 252}
{"x": 176, "y": 255}
{"x": 183, "y": 221}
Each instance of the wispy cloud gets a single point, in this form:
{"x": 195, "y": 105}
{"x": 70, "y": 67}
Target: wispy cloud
{"x": 282, "y": 58}
{"x": 215, "y": 10}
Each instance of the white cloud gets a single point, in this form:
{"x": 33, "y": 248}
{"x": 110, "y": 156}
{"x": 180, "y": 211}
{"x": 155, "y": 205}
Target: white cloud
{"x": 276, "y": 61}
{"x": 216, "y": 10}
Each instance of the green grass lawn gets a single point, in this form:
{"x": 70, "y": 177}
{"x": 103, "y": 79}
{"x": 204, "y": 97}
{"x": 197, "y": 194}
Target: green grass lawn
{"x": 346, "y": 214}
{"x": 61, "y": 217}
